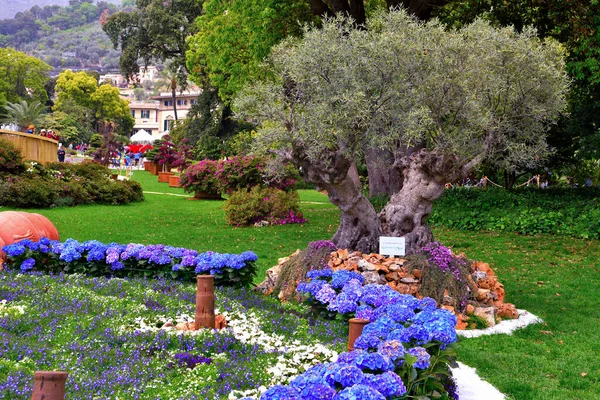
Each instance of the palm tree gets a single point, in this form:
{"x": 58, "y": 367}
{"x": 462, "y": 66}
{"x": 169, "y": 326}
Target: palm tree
{"x": 24, "y": 114}
{"x": 173, "y": 79}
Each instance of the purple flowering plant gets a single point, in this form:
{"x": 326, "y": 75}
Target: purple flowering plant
{"x": 405, "y": 350}
{"x": 152, "y": 261}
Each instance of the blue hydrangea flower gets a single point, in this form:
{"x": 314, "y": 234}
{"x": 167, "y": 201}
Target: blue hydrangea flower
{"x": 359, "y": 392}
{"x": 364, "y": 312}
{"x": 350, "y": 356}
{"x": 317, "y": 391}
{"x": 27, "y": 264}
{"x": 342, "y": 374}
{"x": 342, "y": 304}
{"x": 367, "y": 341}
{"x": 14, "y": 249}
{"x": 176, "y": 267}
{"x": 374, "y": 362}
{"x": 340, "y": 278}
{"x": 319, "y": 273}
{"x": 326, "y": 294}
{"x": 388, "y": 384}
{"x": 279, "y": 392}
{"x": 422, "y": 357}
{"x": 117, "y": 265}
{"x": 392, "y": 349}
{"x": 249, "y": 256}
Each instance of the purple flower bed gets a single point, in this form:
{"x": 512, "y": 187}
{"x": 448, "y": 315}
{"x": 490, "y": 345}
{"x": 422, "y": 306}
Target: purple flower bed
{"x": 157, "y": 261}
{"x": 404, "y": 352}
{"x": 72, "y": 323}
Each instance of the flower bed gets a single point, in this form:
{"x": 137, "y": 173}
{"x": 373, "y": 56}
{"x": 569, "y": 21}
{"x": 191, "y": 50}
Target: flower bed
{"x": 106, "y": 333}
{"x": 404, "y": 351}
{"x": 157, "y": 261}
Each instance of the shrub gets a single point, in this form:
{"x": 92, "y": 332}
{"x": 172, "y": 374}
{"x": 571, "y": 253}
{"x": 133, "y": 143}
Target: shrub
{"x": 11, "y": 159}
{"x": 63, "y": 184}
{"x": 227, "y": 176}
{"x": 201, "y": 177}
{"x": 152, "y": 261}
{"x": 559, "y": 211}
{"x": 272, "y": 205}
{"x": 25, "y": 192}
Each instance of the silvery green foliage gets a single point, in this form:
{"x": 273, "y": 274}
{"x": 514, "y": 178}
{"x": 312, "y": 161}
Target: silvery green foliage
{"x": 474, "y": 92}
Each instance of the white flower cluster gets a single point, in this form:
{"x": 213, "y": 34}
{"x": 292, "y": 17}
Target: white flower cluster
{"x": 6, "y": 310}
{"x": 296, "y": 359}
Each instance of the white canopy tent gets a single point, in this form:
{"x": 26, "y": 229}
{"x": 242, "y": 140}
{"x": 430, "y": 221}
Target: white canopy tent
{"x": 141, "y": 137}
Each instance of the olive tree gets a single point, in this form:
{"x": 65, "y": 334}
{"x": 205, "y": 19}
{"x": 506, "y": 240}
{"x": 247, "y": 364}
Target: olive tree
{"x": 437, "y": 101}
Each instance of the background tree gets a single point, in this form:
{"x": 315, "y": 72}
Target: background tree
{"x": 439, "y": 101}
{"x": 22, "y": 77}
{"x": 575, "y": 25}
{"x": 234, "y": 37}
{"x": 153, "y": 31}
{"x": 100, "y": 108}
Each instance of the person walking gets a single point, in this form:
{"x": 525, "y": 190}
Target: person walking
{"x": 61, "y": 153}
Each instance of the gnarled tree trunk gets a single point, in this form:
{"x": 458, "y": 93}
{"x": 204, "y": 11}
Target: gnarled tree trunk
{"x": 425, "y": 174}
{"x": 383, "y": 178}
{"x": 359, "y": 224}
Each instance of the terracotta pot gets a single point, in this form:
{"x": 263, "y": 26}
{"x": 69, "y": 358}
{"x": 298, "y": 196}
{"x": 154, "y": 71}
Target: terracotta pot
{"x": 205, "y": 302}
{"x": 147, "y": 165}
{"x": 154, "y": 168}
{"x": 49, "y": 385}
{"x": 206, "y": 196}
{"x": 174, "y": 181}
{"x": 164, "y": 176}
{"x": 18, "y": 225}
{"x": 355, "y": 329}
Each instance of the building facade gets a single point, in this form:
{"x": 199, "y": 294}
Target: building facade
{"x": 157, "y": 116}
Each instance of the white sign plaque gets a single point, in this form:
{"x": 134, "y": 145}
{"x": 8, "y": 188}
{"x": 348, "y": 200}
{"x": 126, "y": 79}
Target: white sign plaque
{"x": 392, "y": 246}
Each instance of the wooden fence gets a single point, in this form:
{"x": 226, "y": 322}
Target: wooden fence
{"x": 33, "y": 147}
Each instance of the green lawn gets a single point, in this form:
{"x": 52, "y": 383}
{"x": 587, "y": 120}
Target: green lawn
{"x": 168, "y": 216}
{"x": 556, "y": 278}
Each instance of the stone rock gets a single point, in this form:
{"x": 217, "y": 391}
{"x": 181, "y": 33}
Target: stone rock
{"x": 370, "y": 277}
{"x": 392, "y": 276}
{"x": 364, "y": 265}
{"x": 486, "y": 313}
{"x": 417, "y": 273}
{"x": 507, "y": 310}
{"x": 409, "y": 280}
{"x": 394, "y": 267}
{"x": 407, "y": 288}
{"x": 392, "y": 284}
{"x": 469, "y": 309}
{"x": 342, "y": 253}
{"x": 461, "y": 322}
{"x": 479, "y": 275}
{"x": 482, "y": 294}
{"x": 184, "y": 326}
{"x": 168, "y": 324}
{"x": 449, "y": 308}
{"x": 482, "y": 266}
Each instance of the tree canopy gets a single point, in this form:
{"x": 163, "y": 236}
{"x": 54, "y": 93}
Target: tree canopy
{"x": 235, "y": 36}
{"x": 440, "y": 101}
{"x": 155, "y": 30}
{"x": 98, "y": 107}
{"x": 22, "y": 77}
